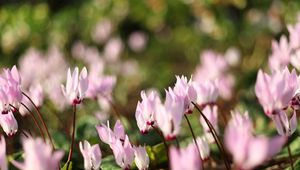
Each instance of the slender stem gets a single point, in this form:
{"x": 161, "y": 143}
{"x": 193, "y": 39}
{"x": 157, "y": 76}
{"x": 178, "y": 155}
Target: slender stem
{"x": 163, "y": 138}
{"x": 73, "y": 136}
{"x": 34, "y": 120}
{"x": 290, "y": 157}
{"x": 177, "y": 143}
{"x": 193, "y": 134}
{"x": 219, "y": 144}
{"x": 41, "y": 118}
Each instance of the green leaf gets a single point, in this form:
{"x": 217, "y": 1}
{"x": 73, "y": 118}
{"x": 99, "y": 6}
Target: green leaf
{"x": 108, "y": 163}
{"x": 66, "y": 164}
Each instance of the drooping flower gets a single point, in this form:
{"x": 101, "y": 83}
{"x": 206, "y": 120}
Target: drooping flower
{"x": 141, "y": 158}
{"x": 76, "y": 86}
{"x": 3, "y": 161}
{"x": 8, "y": 123}
{"x": 207, "y": 93}
{"x": 39, "y": 155}
{"x": 186, "y": 90}
{"x": 169, "y": 115}
{"x": 275, "y": 91}
{"x": 285, "y": 126}
{"x": 243, "y": 145}
{"x": 108, "y": 136}
{"x": 91, "y": 154}
{"x": 123, "y": 152}
{"x": 185, "y": 158}
{"x": 145, "y": 110}
{"x": 203, "y": 147}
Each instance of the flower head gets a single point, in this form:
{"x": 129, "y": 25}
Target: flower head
{"x": 76, "y": 86}
{"x": 91, "y": 154}
{"x": 39, "y": 155}
{"x": 123, "y": 152}
{"x": 141, "y": 158}
{"x": 108, "y": 136}
{"x": 8, "y": 123}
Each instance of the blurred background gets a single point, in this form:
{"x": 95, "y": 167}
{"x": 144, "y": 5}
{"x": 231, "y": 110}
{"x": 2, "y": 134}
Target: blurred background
{"x": 136, "y": 45}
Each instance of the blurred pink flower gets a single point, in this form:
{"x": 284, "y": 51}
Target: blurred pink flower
{"x": 91, "y": 154}
{"x": 108, "y": 136}
{"x": 113, "y": 49}
{"x": 203, "y": 147}
{"x": 8, "y": 123}
{"x": 294, "y": 31}
{"x": 185, "y": 89}
{"x": 39, "y": 155}
{"x": 102, "y": 31}
{"x": 141, "y": 158}
{"x": 169, "y": 115}
{"x": 145, "y": 110}
{"x": 123, "y": 152}
{"x": 243, "y": 145}
{"x": 285, "y": 126}
{"x": 137, "y": 41}
{"x": 185, "y": 158}
{"x": 281, "y": 52}
{"x": 207, "y": 93}
{"x": 211, "y": 113}
{"x": 275, "y": 91}
{"x": 76, "y": 86}
{"x": 3, "y": 161}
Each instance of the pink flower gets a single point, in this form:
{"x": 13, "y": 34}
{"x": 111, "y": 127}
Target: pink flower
{"x": 211, "y": 113}
{"x": 39, "y": 155}
{"x": 169, "y": 115}
{"x": 185, "y": 158}
{"x": 108, "y": 136}
{"x": 3, "y": 161}
{"x": 294, "y": 31}
{"x": 76, "y": 86}
{"x": 123, "y": 152}
{"x": 91, "y": 154}
{"x": 145, "y": 110}
{"x": 207, "y": 92}
{"x": 284, "y": 126}
{"x": 203, "y": 147}
{"x": 281, "y": 52}
{"x": 186, "y": 90}
{"x": 141, "y": 158}
{"x": 8, "y": 123}
{"x": 243, "y": 145}
{"x": 275, "y": 91}
{"x": 137, "y": 41}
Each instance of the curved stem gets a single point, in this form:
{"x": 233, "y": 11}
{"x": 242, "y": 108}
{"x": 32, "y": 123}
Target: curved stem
{"x": 40, "y": 117}
{"x": 177, "y": 143}
{"x": 164, "y": 140}
{"x": 290, "y": 157}
{"x": 73, "y": 136}
{"x": 34, "y": 120}
{"x": 219, "y": 144}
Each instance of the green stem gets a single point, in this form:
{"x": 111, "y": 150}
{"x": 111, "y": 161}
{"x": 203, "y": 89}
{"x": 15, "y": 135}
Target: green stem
{"x": 213, "y": 131}
{"x": 41, "y": 119}
{"x": 73, "y": 136}
{"x": 164, "y": 140}
{"x": 290, "y": 157}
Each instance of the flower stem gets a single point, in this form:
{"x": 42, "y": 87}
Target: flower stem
{"x": 34, "y": 120}
{"x": 290, "y": 157}
{"x": 73, "y": 136}
{"x": 213, "y": 131}
{"x": 164, "y": 140}
{"x": 41, "y": 118}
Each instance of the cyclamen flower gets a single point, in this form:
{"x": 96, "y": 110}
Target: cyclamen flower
{"x": 108, "y": 136}
{"x": 186, "y": 90}
{"x": 145, "y": 111}
{"x": 39, "y": 155}
{"x": 141, "y": 158}
{"x": 185, "y": 158}
{"x": 285, "y": 126}
{"x": 243, "y": 145}
{"x": 76, "y": 86}
{"x": 3, "y": 161}
{"x": 91, "y": 154}
{"x": 281, "y": 53}
{"x": 8, "y": 123}
{"x": 275, "y": 91}
{"x": 123, "y": 152}
{"x": 169, "y": 115}
{"x": 203, "y": 147}
{"x": 207, "y": 93}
